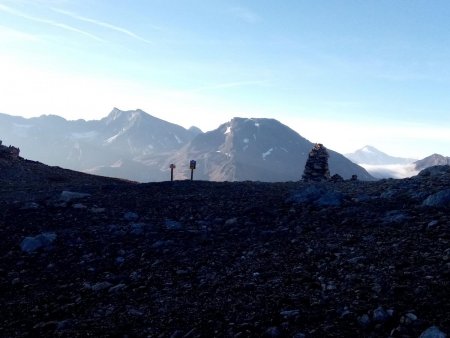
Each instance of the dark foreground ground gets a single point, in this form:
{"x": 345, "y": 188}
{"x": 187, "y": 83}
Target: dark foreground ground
{"x": 203, "y": 259}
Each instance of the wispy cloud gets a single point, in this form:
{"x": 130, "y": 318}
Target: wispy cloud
{"x": 9, "y": 34}
{"x": 226, "y": 85}
{"x": 245, "y": 14}
{"x": 102, "y": 24}
{"x": 15, "y": 12}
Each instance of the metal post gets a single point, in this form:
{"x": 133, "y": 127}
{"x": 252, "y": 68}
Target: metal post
{"x": 192, "y": 165}
{"x": 172, "y": 166}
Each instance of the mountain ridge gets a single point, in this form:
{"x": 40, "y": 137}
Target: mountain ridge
{"x": 135, "y": 145}
{"x": 373, "y": 156}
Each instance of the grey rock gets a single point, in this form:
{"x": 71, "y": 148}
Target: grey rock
{"x": 356, "y": 260}
{"x": 231, "y": 221}
{"x": 439, "y": 199}
{"x": 318, "y": 195}
{"x": 159, "y": 244}
{"x": 64, "y": 325}
{"x": 272, "y": 332}
{"x": 79, "y": 206}
{"x": 308, "y": 195}
{"x": 395, "y": 216}
{"x": 137, "y": 228}
{"x": 436, "y": 170}
{"x": 97, "y": 210}
{"x": 30, "y": 205}
{"x": 432, "y": 224}
{"x": 177, "y": 334}
{"x": 130, "y": 216}
{"x": 44, "y": 240}
{"x": 68, "y": 196}
{"x": 117, "y": 288}
{"x": 330, "y": 198}
{"x": 135, "y": 276}
{"x": 135, "y": 313}
{"x": 364, "y": 321}
{"x": 101, "y": 286}
{"x": 408, "y": 318}
{"x": 388, "y": 194}
{"x": 173, "y": 225}
{"x": 380, "y": 315}
{"x": 299, "y": 335}
{"x": 290, "y": 313}
{"x": 433, "y": 332}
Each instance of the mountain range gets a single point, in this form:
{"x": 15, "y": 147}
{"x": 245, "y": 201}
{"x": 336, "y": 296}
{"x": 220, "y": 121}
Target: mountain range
{"x": 137, "y": 146}
{"x": 382, "y": 165}
{"x": 432, "y": 160}
{"x": 373, "y": 156}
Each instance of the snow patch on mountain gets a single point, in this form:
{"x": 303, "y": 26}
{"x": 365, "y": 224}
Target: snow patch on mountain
{"x": 112, "y": 138}
{"x": 267, "y": 153}
{"x": 178, "y": 139}
{"x": 367, "y": 150}
{"x": 117, "y": 164}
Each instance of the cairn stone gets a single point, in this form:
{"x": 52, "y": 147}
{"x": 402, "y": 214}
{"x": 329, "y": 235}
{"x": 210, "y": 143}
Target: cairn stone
{"x": 8, "y": 152}
{"x": 316, "y": 168}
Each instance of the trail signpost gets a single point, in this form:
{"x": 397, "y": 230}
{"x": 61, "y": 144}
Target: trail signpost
{"x": 172, "y": 166}
{"x": 192, "y": 166}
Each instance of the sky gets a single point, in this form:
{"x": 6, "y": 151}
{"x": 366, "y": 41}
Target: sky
{"x": 345, "y": 73}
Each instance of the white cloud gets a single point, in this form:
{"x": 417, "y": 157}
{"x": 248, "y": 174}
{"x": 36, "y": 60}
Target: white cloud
{"x": 102, "y": 24}
{"x": 391, "y": 170}
{"x": 23, "y": 15}
{"x": 11, "y": 35}
{"x": 30, "y": 91}
{"x": 396, "y": 138}
{"x": 235, "y": 84}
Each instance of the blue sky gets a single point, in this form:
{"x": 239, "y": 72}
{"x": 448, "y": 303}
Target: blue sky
{"x": 345, "y": 73}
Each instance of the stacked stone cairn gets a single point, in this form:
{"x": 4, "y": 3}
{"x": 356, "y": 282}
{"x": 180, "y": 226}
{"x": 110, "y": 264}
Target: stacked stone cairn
{"x": 316, "y": 168}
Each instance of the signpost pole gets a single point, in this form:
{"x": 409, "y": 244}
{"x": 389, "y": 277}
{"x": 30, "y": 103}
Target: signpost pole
{"x": 172, "y": 166}
{"x": 192, "y": 165}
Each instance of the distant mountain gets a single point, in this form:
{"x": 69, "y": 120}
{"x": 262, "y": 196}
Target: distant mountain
{"x": 137, "y": 146}
{"x": 381, "y": 165}
{"x": 432, "y": 160}
{"x": 111, "y": 146}
{"x": 373, "y": 156}
{"x": 254, "y": 149}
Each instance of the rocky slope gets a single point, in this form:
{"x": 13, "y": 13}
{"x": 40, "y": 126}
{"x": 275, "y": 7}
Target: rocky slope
{"x": 432, "y": 160}
{"x": 84, "y": 256}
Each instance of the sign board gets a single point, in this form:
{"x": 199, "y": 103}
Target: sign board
{"x": 172, "y": 166}
{"x": 192, "y": 164}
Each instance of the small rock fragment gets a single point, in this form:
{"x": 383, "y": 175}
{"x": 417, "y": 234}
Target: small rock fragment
{"x": 68, "y": 196}
{"x": 44, "y": 240}
{"x": 130, "y": 216}
{"x": 100, "y": 286}
{"x": 433, "y": 332}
